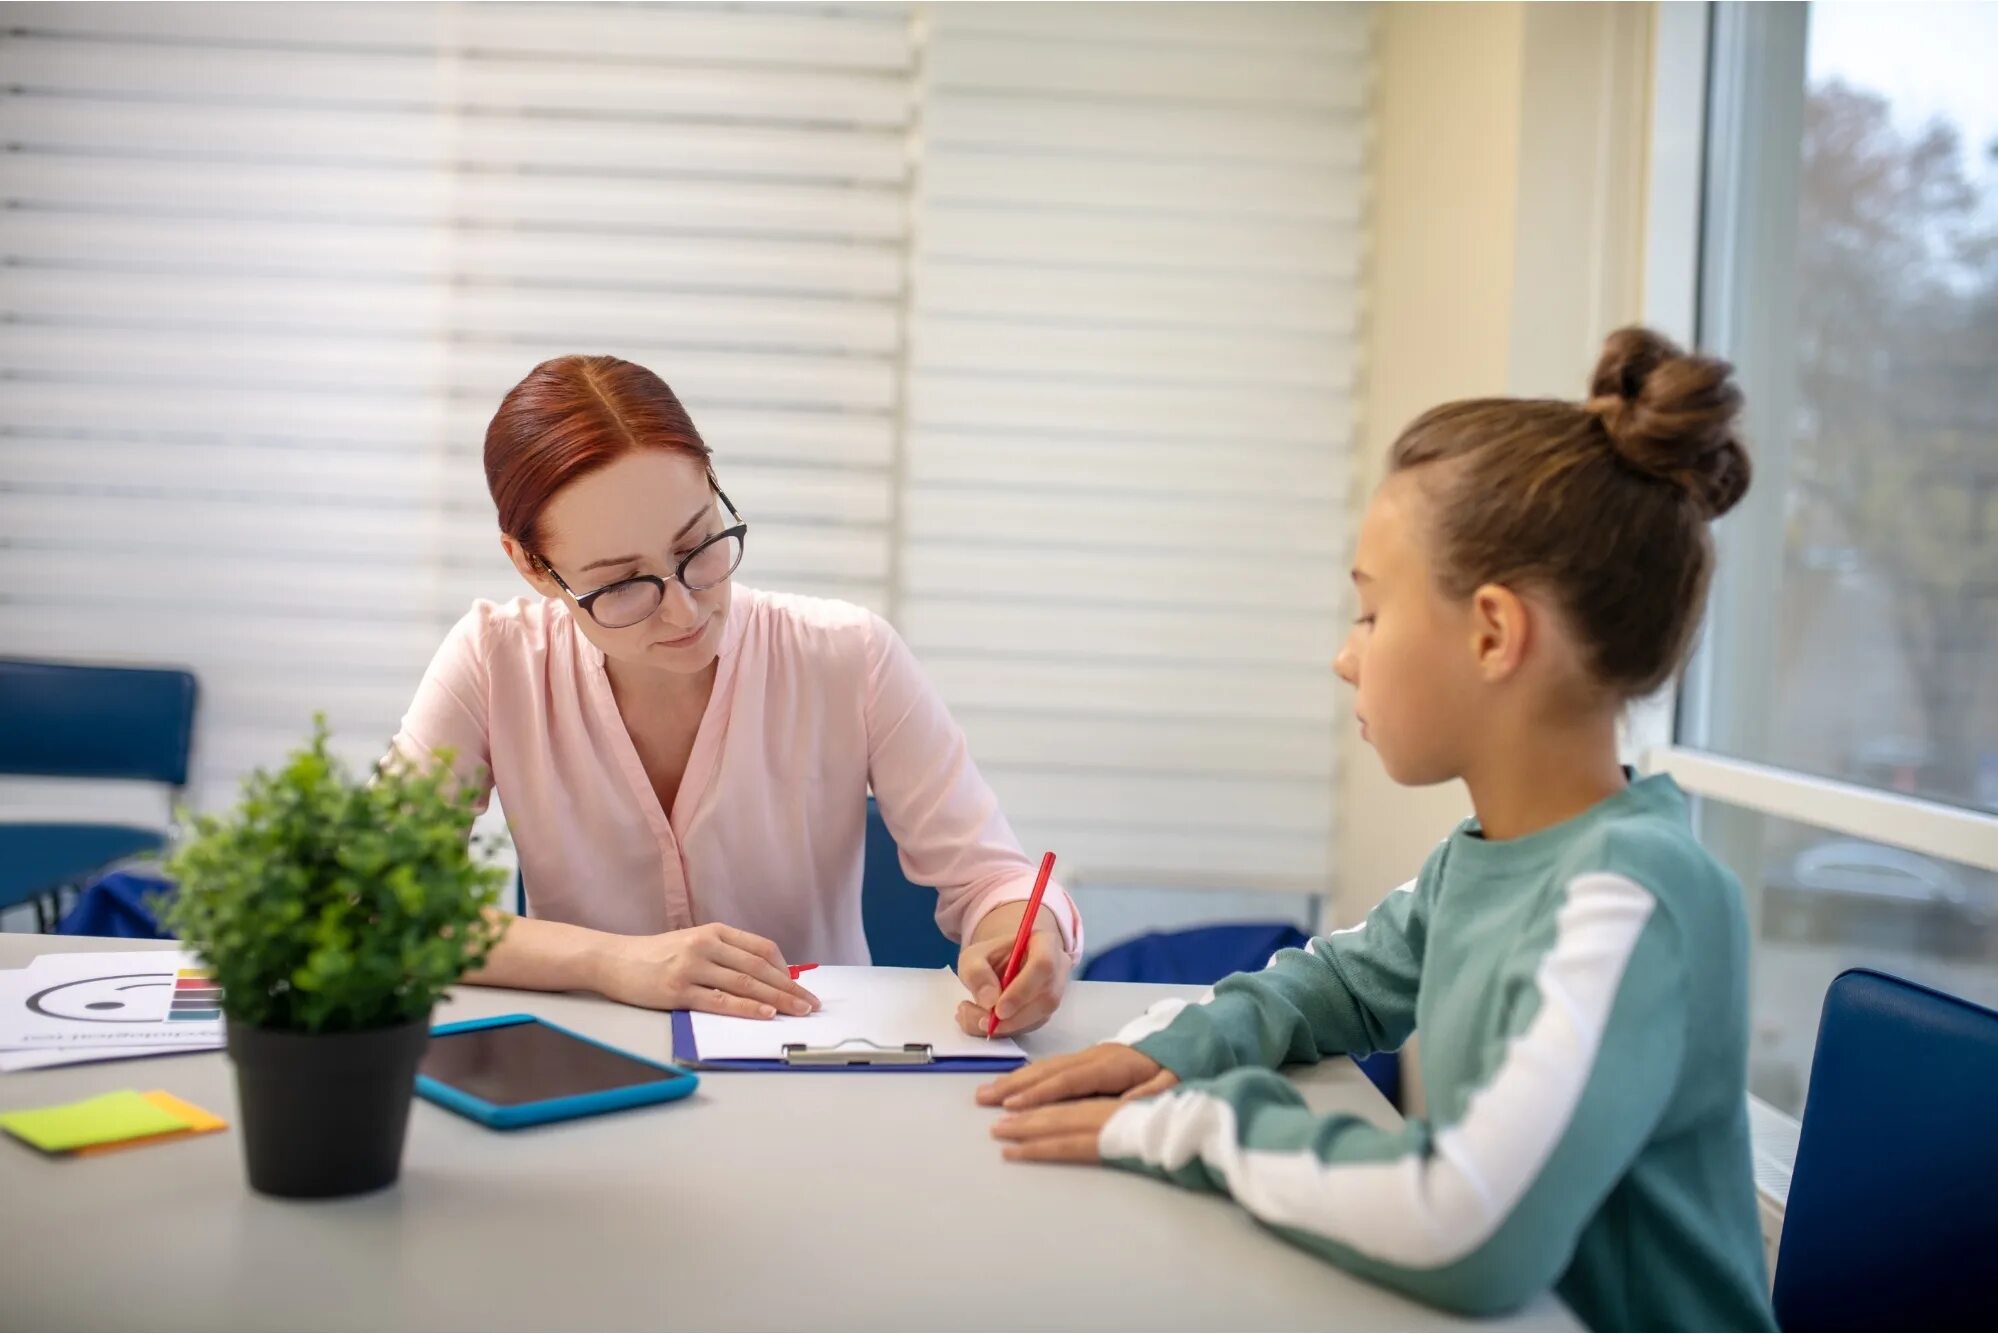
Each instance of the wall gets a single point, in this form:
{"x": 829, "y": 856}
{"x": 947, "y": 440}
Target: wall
{"x": 1508, "y": 233}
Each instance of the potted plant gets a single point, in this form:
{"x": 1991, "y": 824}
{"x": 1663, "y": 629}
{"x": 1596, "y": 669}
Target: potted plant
{"x": 333, "y": 913}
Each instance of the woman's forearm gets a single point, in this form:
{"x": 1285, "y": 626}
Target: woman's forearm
{"x": 538, "y": 955}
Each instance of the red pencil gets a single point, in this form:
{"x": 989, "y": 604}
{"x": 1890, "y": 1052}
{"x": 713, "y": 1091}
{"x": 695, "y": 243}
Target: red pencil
{"x": 1020, "y": 940}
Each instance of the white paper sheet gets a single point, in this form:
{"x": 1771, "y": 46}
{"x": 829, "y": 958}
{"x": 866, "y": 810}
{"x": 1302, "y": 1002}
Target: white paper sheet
{"x": 885, "y": 1006}
{"x": 11, "y": 1061}
{"x": 122, "y": 999}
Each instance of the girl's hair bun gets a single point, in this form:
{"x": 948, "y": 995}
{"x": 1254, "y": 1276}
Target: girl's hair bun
{"x": 1671, "y": 415}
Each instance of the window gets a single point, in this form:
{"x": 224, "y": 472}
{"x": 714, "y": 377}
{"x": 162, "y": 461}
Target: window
{"x": 1825, "y": 902}
{"x": 1850, "y": 269}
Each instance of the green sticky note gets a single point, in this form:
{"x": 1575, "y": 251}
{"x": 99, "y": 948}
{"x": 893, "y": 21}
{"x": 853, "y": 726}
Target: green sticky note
{"x": 126, "y": 1114}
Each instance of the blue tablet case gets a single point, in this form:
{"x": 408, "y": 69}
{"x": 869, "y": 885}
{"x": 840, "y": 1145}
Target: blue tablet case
{"x": 672, "y": 1084}
{"x": 686, "y": 1053}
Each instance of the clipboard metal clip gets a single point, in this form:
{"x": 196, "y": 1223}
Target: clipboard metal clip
{"x": 859, "y": 1051}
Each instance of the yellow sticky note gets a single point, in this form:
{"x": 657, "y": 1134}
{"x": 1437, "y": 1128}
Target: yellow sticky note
{"x": 198, "y": 1121}
{"x": 101, "y": 1120}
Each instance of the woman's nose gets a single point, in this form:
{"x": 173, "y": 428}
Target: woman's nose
{"x": 1347, "y": 665}
{"x": 678, "y": 605}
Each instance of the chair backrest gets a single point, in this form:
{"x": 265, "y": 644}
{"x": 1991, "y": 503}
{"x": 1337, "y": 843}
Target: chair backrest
{"x": 899, "y": 915}
{"x": 1195, "y": 956}
{"x": 65, "y": 720}
{"x": 1892, "y": 1220}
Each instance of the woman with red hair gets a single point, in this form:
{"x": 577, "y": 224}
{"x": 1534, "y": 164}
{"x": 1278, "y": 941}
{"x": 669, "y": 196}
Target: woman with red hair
{"x": 684, "y": 762}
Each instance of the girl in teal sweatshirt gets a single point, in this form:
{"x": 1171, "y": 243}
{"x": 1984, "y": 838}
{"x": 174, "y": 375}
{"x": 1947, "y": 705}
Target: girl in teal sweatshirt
{"x": 1575, "y": 962}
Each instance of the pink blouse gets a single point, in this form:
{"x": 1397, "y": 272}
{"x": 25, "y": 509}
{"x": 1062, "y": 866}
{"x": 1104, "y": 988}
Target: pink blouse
{"x": 813, "y": 701}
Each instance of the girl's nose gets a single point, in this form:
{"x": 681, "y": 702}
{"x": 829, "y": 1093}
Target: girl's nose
{"x": 1347, "y": 666}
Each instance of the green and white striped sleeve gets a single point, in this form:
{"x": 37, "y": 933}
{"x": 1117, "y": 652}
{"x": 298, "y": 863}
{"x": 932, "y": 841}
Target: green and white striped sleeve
{"x": 1481, "y": 1210}
{"x": 1350, "y": 991}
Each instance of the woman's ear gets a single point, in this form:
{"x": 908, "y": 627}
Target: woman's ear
{"x": 530, "y": 569}
{"x": 1501, "y": 631}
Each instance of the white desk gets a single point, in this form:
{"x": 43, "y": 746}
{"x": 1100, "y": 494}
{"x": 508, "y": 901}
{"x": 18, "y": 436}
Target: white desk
{"x": 828, "y": 1201}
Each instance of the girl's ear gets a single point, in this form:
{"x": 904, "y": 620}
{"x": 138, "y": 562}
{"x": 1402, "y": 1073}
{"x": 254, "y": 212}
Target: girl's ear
{"x": 1501, "y": 630}
{"x": 529, "y": 568}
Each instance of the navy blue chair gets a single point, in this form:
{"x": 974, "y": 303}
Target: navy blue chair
{"x": 900, "y": 916}
{"x": 63, "y": 720}
{"x": 1203, "y": 955}
{"x": 1892, "y": 1221}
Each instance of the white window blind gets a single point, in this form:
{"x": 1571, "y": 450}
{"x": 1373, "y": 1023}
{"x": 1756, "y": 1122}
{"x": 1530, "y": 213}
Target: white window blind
{"x": 1033, "y": 326}
{"x": 267, "y": 269}
{"x": 1135, "y": 299}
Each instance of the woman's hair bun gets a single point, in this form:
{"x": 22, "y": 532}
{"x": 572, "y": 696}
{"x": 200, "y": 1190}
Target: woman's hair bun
{"x": 1671, "y": 416}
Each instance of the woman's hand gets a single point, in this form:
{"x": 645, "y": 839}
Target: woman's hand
{"x": 714, "y": 968}
{"x": 1064, "y": 1134}
{"x": 1035, "y": 993}
{"x": 1108, "y": 1067}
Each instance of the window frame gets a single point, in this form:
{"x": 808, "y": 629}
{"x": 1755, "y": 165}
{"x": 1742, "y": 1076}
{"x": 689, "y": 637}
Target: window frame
{"x": 1717, "y": 150}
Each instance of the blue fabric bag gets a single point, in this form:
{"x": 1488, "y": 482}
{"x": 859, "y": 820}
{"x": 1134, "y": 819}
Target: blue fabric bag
{"x": 121, "y": 903}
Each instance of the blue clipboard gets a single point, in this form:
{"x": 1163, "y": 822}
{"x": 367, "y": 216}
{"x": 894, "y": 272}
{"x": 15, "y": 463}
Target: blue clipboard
{"x": 847, "y": 1057}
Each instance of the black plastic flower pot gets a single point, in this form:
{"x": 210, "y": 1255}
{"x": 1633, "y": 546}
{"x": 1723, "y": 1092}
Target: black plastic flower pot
{"x": 324, "y": 1114}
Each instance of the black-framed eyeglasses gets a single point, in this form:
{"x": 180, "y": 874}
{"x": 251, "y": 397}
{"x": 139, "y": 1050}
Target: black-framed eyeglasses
{"x": 628, "y": 601}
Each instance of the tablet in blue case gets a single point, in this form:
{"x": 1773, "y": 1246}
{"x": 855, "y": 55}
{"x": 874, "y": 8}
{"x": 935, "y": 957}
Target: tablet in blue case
{"x": 518, "y": 1070}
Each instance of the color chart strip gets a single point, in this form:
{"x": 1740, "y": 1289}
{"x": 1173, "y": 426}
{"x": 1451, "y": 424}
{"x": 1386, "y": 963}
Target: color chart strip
{"x": 195, "y": 996}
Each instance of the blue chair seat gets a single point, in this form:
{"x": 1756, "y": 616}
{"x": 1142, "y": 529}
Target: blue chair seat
{"x": 34, "y": 857}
